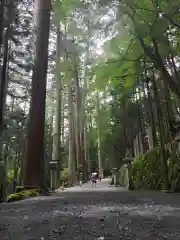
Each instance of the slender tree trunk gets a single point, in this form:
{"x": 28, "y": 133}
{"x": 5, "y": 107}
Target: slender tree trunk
{"x": 2, "y": 3}
{"x": 3, "y": 79}
{"x": 74, "y": 165}
{"x": 3, "y": 94}
{"x": 78, "y": 121}
{"x": 152, "y": 119}
{"x": 124, "y": 125}
{"x": 71, "y": 163}
{"x": 83, "y": 102}
{"x": 16, "y": 167}
{"x": 168, "y": 111}
{"x": 161, "y": 138}
{"x": 56, "y": 156}
{"x": 62, "y": 120}
{"x": 35, "y": 138}
{"x": 22, "y": 163}
{"x": 141, "y": 133}
{"x": 86, "y": 152}
{"x": 98, "y": 131}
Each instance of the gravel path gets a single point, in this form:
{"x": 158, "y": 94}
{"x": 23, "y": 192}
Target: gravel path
{"x": 86, "y": 213}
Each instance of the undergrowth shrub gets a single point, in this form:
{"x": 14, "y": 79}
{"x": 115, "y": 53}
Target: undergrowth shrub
{"x": 11, "y": 175}
{"x": 64, "y": 176}
{"x": 147, "y": 169}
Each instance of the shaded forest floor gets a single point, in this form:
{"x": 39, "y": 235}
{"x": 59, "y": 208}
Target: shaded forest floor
{"x": 86, "y": 213}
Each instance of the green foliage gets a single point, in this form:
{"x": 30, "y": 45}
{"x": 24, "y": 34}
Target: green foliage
{"x": 64, "y": 175}
{"x": 174, "y": 167}
{"x": 11, "y": 175}
{"x": 125, "y": 54}
{"x": 62, "y": 8}
{"x": 147, "y": 170}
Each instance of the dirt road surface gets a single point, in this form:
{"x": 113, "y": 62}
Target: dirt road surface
{"x": 83, "y": 213}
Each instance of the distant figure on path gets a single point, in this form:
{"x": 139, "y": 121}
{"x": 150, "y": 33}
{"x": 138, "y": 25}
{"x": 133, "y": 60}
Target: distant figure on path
{"x": 93, "y": 179}
{"x": 80, "y": 179}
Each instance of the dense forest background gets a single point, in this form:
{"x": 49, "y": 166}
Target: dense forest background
{"x": 83, "y": 85}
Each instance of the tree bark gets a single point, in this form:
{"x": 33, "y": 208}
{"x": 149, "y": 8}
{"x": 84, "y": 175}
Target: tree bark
{"x": 98, "y": 131}
{"x": 3, "y": 92}
{"x": 35, "y": 136}
{"x": 2, "y": 3}
{"x": 161, "y": 137}
{"x": 56, "y": 155}
{"x": 78, "y": 120}
{"x": 3, "y": 72}
{"x": 152, "y": 116}
{"x": 71, "y": 163}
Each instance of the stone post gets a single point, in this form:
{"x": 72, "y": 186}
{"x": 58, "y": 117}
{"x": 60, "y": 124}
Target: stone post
{"x": 53, "y": 174}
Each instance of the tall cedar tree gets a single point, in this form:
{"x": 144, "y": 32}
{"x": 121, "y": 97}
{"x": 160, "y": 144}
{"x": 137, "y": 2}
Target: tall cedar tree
{"x": 35, "y": 138}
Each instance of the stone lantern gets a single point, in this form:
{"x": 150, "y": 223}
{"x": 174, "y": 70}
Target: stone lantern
{"x": 53, "y": 167}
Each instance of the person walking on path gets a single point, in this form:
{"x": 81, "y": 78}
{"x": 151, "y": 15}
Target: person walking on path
{"x": 80, "y": 179}
{"x": 93, "y": 179}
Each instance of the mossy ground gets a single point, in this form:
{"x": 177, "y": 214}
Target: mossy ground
{"x": 25, "y": 193}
